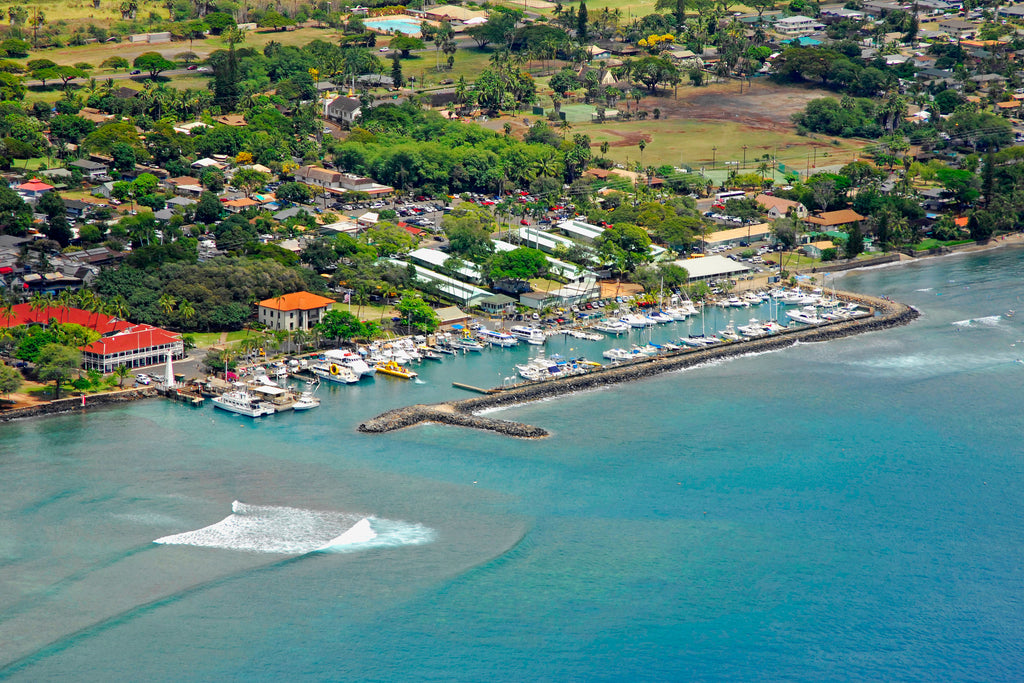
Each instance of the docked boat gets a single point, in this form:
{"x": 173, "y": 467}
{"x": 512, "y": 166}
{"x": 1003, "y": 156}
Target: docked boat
{"x": 429, "y": 353}
{"x": 615, "y": 327}
{"x": 661, "y": 317}
{"x": 699, "y": 341}
{"x": 529, "y": 334}
{"x": 753, "y": 328}
{"x": 729, "y": 333}
{"x": 617, "y": 354}
{"x": 395, "y": 370}
{"x": 240, "y": 401}
{"x": 334, "y": 372}
{"x": 637, "y": 321}
{"x": 307, "y": 399}
{"x": 808, "y": 315}
{"x": 468, "y": 344}
{"x": 497, "y": 338}
{"x": 676, "y": 313}
{"x": 351, "y": 360}
{"x": 581, "y": 334}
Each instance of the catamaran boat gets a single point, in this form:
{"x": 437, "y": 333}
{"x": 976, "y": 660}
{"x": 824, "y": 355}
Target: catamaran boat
{"x": 807, "y": 315}
{"x": 352, "y": 361}
{"x": 497, "y": 338}
{"x": 242, "y": 402}
{"x": 608, "y": 326}
{"x": 334, "y": 372}
{"x": 529, "y": 334}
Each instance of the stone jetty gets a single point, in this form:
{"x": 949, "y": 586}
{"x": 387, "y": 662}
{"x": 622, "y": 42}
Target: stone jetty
{"x": 462, "y": 413}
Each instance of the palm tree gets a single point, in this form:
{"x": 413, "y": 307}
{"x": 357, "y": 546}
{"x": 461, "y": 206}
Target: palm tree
{"x": 38, "y": 302}
{"x": 121, "y": 371}
{"x": 119, "y": 307}
{"x": 185, "y": 310}
{"x": 166, "y": 302}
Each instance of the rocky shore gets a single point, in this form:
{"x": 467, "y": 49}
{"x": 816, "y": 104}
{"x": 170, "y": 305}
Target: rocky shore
{"x": 76, "y": 404}
{"x": 462, "y": 413}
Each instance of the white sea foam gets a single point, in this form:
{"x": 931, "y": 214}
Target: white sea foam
{"x": 926, "y": 289}
{"x": 988, "y": 321}
{"x": 297, "y": 531}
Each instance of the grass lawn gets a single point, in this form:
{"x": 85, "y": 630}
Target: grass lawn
{"x": 932, "y": 243}
{"x": 687, "y": 141}
{"x": 208, "y": 339}
{"x": 368, "y": 313}
{"x": 468, "y": 62}
{"x": 542, "y": 285}
{"x": 96, "y": 53}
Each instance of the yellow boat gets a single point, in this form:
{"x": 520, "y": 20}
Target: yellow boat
{"x": 395, "y": 370}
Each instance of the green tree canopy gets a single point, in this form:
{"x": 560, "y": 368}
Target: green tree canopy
{"x": 57, "y": 362}
{"x": 153, "y": 62}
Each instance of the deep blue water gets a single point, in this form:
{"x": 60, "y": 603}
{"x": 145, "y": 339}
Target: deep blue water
{"x": 835, "y": 511}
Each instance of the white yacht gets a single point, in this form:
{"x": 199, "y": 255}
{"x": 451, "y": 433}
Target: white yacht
{"x": 637, "y": 320}
{"x": 661, "y": 317}
{"x": 617, "y": 354}
{"x": 753, "y": 328}
{"x": 242, "y": 402}
{"x": 334, "y": 372}
{"x": 609, "y": 326}
{"x": 497, "y": 338}
{"x": 351, "y": 360}
{"x": 468, "y": 344}
{"x": 676, "y": 312}
{"x": 807, "y": 315}
{"x": 307, "y": 400}
{"x": 529, "y": 334}
{"x": 729, "y": 333}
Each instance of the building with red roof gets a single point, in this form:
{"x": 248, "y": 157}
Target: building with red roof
{"x": 136, "y": 347}
{"x": 121, "y": 343}
{"x": 34, "y": 188}
{"x": 295, "y": 311}
{"x": 24, "y": 314}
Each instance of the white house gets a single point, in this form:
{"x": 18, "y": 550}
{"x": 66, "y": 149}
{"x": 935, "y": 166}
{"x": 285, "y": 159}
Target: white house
{"x": 344, "y": 110}
{"x": 797, "y": 25}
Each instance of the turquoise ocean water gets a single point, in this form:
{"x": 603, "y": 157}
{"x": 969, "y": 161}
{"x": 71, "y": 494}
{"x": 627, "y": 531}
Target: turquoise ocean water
{"x": 848, "y": 510}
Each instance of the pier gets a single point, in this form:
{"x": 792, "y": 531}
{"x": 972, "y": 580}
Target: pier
{"x": 883, "y": 314}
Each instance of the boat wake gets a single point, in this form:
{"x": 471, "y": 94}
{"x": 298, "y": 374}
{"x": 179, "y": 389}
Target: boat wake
{"x": 295, "y": 531}
{"x": 988, "y": 321}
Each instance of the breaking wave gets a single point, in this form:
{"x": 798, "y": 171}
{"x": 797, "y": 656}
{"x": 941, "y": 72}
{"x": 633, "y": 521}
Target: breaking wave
{"x": 296, "y": 531}
{"x": 988, "y": 321}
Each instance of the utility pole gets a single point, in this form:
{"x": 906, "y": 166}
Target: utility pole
{"x": 714, "y": 150}
{"x": 744, "y": 157}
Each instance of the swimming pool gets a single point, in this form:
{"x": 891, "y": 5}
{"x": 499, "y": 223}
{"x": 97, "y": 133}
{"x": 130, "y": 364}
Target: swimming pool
{"x": 406, "y": 25}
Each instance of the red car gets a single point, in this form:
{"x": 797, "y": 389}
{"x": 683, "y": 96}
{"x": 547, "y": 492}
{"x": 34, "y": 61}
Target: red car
{"x": 524, "y": 222}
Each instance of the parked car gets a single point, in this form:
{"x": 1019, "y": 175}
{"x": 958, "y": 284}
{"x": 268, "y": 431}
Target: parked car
{"x": 135, "y": 72}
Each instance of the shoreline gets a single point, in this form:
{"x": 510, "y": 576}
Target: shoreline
{"x": 459, "y": 418}
{"x": 78, "y": 403}
{"x": 465, "y": 412}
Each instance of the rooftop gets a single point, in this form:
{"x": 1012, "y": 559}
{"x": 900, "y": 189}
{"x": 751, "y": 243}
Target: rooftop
{"x": 302, "y": 301}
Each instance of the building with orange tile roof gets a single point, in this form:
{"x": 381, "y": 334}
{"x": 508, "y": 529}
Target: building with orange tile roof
{"x": 295, "y": 311}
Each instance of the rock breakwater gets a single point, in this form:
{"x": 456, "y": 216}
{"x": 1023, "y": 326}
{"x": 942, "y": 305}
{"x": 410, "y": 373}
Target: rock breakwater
{"x": 76, "y": 404}
{"x": 462, "y": 413}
